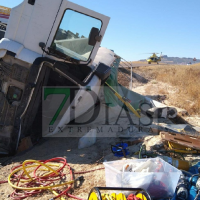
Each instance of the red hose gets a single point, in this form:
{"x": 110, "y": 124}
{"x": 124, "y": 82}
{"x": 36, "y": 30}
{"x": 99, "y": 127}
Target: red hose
{"x": 45, "y": 180}
{"x": 84, "y": 172}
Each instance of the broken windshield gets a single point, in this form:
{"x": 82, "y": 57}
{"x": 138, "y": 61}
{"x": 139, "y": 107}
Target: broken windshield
{"x": 73, "y": 33}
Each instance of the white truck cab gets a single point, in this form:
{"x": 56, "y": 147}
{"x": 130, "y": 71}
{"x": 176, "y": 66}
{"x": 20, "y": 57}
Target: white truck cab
{"x": 47, "y": 43}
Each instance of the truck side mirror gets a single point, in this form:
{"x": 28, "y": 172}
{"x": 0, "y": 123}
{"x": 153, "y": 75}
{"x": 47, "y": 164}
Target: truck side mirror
{"x": 32, "y": 2}
{"x": 94, "y": 36}
{"x": 42, "y": 45}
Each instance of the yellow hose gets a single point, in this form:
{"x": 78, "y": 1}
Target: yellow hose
{"x": 24, "y": 168}
{"x": 28, "y": 180}
{"x": 180, "y": 148}
{"x": 35, "y": 161}
{"x": 128, "y": 105}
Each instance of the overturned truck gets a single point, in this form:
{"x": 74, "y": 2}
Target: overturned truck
{"x": 52, "y": 43}
{"x": 47, "y": 43}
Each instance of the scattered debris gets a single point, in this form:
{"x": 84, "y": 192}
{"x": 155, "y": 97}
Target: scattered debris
{"x": 181, "y": 128}
{"x": 181, "y": 148}
{"x": 182, "y": 139}
{"x": 120, "y": 150}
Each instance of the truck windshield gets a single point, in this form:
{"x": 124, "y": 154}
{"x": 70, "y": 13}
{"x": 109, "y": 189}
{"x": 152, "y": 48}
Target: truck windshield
{"x": 72, "y": 35}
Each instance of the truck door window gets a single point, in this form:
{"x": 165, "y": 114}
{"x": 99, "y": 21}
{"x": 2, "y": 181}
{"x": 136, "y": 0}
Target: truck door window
{"x": 72, "y": 35}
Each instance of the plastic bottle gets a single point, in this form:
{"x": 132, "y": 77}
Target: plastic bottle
{"x": 180, "y": 164}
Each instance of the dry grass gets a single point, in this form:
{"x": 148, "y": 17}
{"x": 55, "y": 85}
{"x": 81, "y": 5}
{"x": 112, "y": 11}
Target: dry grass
{"x": 122, "y": 79}
{"x": 162, "y": 91}
{"x": 184, "y": 78}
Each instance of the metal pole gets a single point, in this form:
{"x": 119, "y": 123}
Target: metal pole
{"x": 131, "y": 87}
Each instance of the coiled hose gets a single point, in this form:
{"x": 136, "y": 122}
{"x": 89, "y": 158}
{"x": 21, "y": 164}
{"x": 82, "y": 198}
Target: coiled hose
{"x": 33, "y": 177}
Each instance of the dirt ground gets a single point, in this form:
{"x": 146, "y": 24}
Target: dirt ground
{"x": 80, "y": 160}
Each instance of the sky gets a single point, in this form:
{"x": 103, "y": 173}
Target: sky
{"x": 138, "y": 27}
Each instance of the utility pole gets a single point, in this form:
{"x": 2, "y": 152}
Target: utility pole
{"x": 131, "y": 83}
